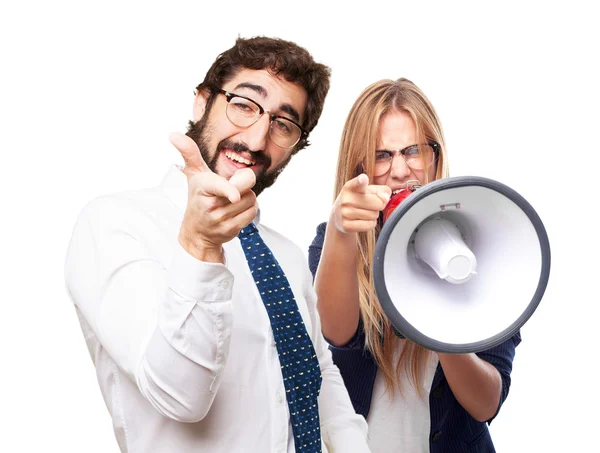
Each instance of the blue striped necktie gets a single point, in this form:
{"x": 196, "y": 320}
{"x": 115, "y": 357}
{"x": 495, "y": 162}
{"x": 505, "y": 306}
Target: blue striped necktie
{"x": 299, "y": 364}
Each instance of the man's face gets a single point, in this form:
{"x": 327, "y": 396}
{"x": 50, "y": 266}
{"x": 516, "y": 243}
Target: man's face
{"x": 226, "y": 147}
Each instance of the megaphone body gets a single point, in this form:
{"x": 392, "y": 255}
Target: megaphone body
{"x": 461, "y": 264}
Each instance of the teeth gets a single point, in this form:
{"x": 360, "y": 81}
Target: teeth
{"x": 236, "y": 157}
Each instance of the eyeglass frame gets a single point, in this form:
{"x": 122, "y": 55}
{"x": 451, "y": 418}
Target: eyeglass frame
{"x": 436, "y": 151}
{"x": 229, "y": 96}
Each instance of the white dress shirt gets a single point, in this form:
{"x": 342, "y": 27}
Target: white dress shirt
{"x": 183, "y": 349}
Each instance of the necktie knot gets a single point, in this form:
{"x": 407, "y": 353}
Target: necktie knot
{"x": 247, "y": 230}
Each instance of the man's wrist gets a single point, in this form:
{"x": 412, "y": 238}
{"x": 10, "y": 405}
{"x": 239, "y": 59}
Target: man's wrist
{"x": 200, "y": 250}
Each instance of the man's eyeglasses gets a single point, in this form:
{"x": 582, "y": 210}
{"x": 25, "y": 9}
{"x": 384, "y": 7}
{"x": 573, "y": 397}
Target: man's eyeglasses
{"x": 418, "y": 157}
{"x": 244, "y": 112}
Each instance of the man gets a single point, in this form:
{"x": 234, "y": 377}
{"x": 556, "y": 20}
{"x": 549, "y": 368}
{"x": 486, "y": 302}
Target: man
{"x": 198, "y": 342}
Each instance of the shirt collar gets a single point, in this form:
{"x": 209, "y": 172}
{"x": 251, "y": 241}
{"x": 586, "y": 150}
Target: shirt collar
{"x": 175, "y": 187}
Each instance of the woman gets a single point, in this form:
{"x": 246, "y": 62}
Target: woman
{"x": 414, "y": 400}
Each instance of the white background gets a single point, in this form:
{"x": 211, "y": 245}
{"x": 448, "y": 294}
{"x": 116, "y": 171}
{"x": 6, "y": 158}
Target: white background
{"x": 89, "y": 92}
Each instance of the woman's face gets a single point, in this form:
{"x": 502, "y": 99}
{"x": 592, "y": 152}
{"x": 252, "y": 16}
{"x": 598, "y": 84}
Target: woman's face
{"x": 397, "y": 131}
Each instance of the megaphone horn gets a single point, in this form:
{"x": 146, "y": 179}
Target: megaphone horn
{"x": 461, "y": 264}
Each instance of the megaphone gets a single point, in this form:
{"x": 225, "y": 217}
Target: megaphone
{"x": 461, "y": 264}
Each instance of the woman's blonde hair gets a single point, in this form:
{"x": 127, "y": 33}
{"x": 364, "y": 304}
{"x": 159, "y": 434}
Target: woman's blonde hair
{"x": 356, "y": 156}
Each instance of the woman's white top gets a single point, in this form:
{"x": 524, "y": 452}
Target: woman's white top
{"x": 401, "y": 423}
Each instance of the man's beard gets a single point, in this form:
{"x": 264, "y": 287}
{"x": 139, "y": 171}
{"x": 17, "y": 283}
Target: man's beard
{"x": 200, "y": 132}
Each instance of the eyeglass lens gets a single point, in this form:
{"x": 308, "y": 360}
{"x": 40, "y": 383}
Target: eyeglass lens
{"x": 417, "y": 157}
{"x": 244, "y": 113}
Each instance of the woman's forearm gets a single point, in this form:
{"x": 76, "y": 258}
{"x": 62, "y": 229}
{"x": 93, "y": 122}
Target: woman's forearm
{"x": 336, "y": 284}
{"x": 476, "y": 384}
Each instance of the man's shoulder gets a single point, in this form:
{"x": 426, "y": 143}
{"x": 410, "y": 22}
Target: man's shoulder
{"x": 278, "y": 240}
{"x": 126, "y": 206}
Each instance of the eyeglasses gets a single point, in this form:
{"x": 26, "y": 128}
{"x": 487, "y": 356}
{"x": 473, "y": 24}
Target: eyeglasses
{"x": 244, "y": 112}
{"x": 417, "y": 157}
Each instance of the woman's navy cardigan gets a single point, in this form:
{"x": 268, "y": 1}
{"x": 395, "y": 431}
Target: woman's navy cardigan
{"x": 453, "y": 430}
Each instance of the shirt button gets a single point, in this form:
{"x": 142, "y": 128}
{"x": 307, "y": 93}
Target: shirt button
{"x": 279, "y": 398}
{"x": 225, "y": 284}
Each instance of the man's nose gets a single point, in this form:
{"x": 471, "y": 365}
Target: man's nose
{"x": 256, "y": 136}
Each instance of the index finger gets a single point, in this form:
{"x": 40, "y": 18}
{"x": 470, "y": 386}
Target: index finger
{"x": 213, "y": 185}
{"x": 189, "y": 151}
{"x": 383, "y": 192}
{"x": 359, "y": 184}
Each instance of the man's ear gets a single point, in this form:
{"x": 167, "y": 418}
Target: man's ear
{"x": 200, "y": 104}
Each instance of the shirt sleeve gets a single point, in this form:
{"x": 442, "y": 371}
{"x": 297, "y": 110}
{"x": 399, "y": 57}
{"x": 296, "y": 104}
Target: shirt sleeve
{"x": 501, "y": 357}
{"x": 343, "y": 431}
{"x": 166, "y": 324}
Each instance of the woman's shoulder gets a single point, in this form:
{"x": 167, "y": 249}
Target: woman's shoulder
{"x": 319, "y": 236}
{"x": 321, "y": 227}
{"x": 314, "y": 250}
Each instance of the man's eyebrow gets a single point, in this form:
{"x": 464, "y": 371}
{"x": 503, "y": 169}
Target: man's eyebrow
{"x": 259, "y": 89}
{"x": 287, "y": 108}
